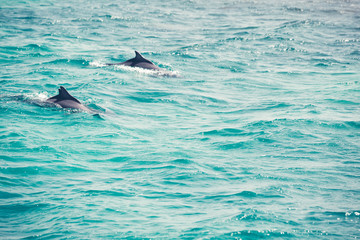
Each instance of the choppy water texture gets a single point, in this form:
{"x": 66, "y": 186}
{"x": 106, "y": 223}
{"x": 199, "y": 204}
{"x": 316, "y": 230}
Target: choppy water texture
{"x": 254, "y": 134}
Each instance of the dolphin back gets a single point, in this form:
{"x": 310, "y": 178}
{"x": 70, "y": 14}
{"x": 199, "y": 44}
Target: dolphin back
{"x": 138, "y": 61}
{"x": 65, "y": 100}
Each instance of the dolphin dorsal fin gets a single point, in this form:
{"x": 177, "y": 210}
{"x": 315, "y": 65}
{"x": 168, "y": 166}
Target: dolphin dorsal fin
{"x": 139, "y": 58}
{"x": 64, "y": 95}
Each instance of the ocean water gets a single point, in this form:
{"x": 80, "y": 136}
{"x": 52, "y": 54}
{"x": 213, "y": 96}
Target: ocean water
{"x": 253, "y": 134}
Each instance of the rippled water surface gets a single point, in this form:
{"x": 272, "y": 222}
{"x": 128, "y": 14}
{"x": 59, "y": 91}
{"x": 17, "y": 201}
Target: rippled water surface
{"x": 253, "y": 132}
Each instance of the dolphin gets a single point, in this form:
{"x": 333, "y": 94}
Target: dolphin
{"x": 138, "y": 61}
{"x": 65, "y": 100}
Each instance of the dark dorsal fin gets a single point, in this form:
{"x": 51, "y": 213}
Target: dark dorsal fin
{"x": 64, "y": 95}
{"x": 139, "y": 58}
{"x": 138, "y": 55}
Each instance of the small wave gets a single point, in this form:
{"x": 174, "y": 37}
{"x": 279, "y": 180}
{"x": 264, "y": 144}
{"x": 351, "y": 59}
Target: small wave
{"x": 37, "y": 47}
{"x": 181, "y": 161}
{"x": 114, "y": 193}
{"x": 300, "y": 23}
{"x": 236, "y": 145}
{"x": 74, "y": 62}
{"x": 343, "y": 215}
{"x": 119, "y": 159}
{"x": 355, "y": 54}
{"x": 257, "y": 234}
{"x": 294, "y": 9}
{"x": 233, "y": 67}
{"x": 334, "y": 216}
{"x": 6, "y": 195}
{"x": 23, "y": 171}
{"x": 250, "y": 215}
{"x": 226, "y": 132}
{"x": 243, "y": 194}
{"x": 355, "y": 124}
{"x": 121, "y": 18}
{"x": 342, "y": 101}
{"x": 150, "y": 96}
{"x": 9, "y": 209}
{"x": 89, "y": 19}
{"x": 30, "y": 47}
{"x": 270, "y": 106}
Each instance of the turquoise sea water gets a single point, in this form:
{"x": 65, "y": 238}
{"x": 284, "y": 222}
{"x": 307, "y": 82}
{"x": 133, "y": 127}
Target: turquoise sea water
{"x": 255, "y": 134}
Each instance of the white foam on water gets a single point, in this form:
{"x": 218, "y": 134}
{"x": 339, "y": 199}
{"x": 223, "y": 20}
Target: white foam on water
{"x": 97, "y": 64}
{"x": 161, "y": 73}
